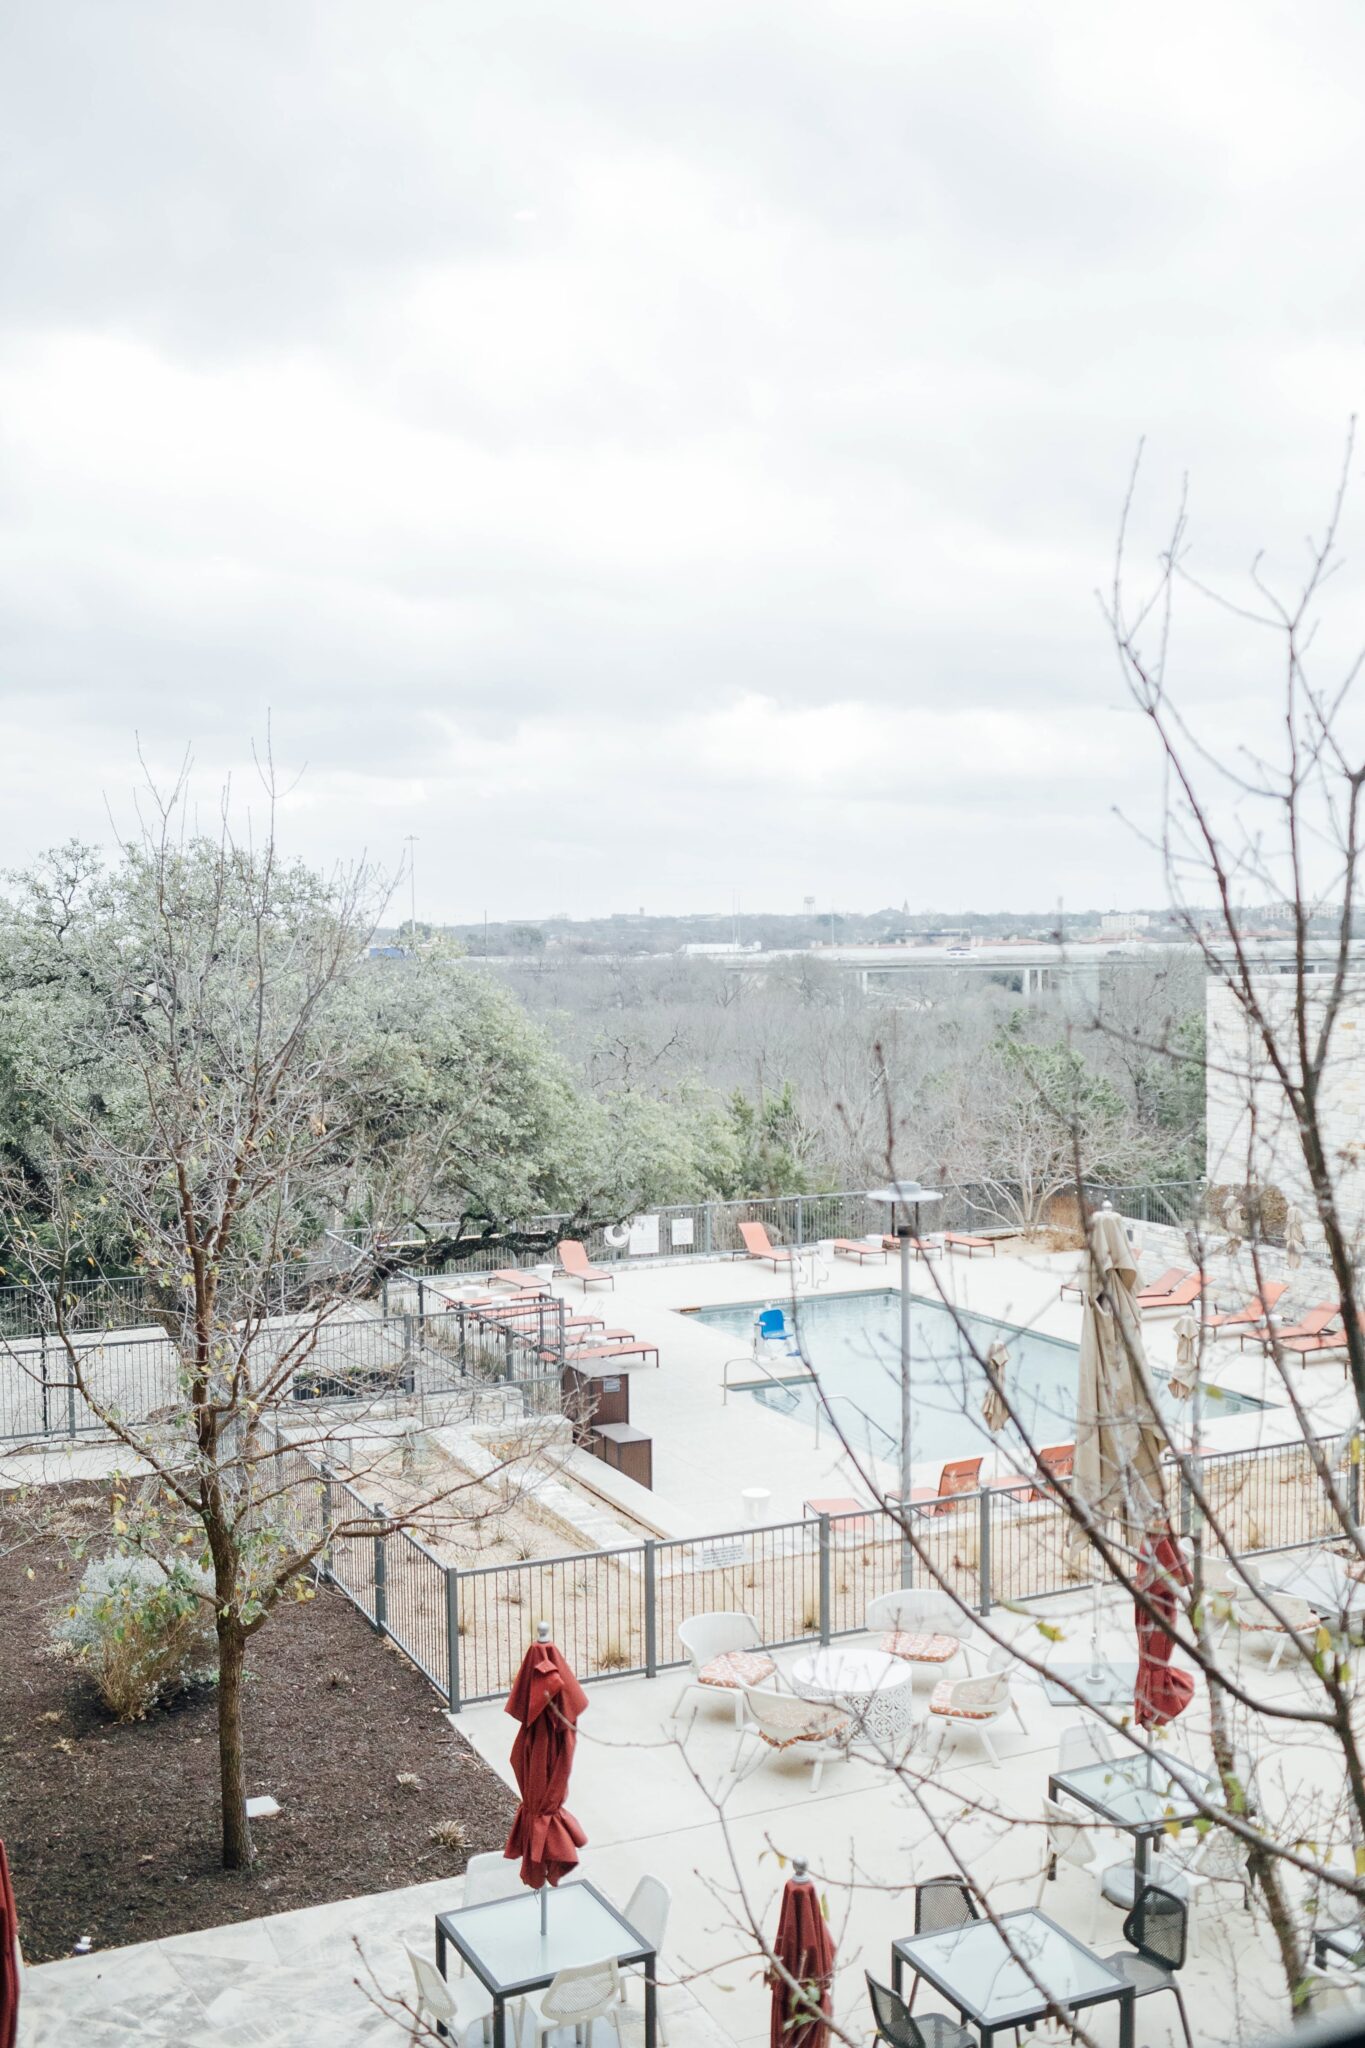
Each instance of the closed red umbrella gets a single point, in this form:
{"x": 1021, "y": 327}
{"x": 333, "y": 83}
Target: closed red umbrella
{"x": 805, "y": 1949}
{"x": 547, "y": 1700}
{"x": 9, "y": 1958}
{"x": 1161, "y": 1691}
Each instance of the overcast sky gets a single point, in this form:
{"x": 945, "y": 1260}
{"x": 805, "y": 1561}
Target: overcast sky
{"x": 655, "y": 452}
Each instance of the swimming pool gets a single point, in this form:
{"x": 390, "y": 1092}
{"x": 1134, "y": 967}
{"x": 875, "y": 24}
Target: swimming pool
{"x": 853, "y": 1343}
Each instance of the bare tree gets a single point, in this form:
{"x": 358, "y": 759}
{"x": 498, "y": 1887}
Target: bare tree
{"x": 206, "y": 983}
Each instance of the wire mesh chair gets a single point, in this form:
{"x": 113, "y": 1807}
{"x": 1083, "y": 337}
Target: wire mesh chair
{"x": 575, "y": 1998}
{"x": 941, "y": 1903}
{"x": 646, "y": 1910}
{"x": 456, "y": 2009}
{"x": 1158, "y": 1928}
{"x": 898, "y": 2030}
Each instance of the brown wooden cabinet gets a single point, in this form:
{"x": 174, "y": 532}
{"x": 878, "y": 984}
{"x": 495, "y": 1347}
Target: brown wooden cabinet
{"x": 626, "y": 1449}
{"x": 593, "y": 1398}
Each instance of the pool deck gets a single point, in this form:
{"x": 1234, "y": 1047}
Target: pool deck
{"x": 708, "y": 1452}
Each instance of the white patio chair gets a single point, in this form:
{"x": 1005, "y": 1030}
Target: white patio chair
{"x": 1082, "y": 1743}
{"x": 575, "y": 1998}
{"x": 725, "y": 1651}
{"x": 491, "y": 1876}
{"x": 976, "y": 1704}
{"x": 647, "y": 1911}
{"x": 781, "y": 1723}
{"x": 1071, "y": 1843}
{"x": 920, "y": 1625}
{"x": 1292, "y": 1621}
{"x": 456, "y": 2008}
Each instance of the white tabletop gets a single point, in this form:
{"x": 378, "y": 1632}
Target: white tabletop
{"x": 850, "y": 1670}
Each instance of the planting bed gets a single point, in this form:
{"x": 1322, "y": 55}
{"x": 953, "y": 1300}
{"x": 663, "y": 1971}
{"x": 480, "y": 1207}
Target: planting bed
{"x": 112, "y": 1831}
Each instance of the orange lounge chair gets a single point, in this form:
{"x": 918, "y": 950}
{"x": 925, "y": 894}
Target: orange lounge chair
{"x": 1169, "y": 1279}
{"x": 1315, "y": 1323}
{"x": 857, "y": 1248}
{"x": 515, "y": 1276}
{"x": 922, "y": 1247}
{"x": 1254, "y": 1311}
{"x": 852, "y": 1520}
{"x": 1057, "y": 1462}
{"x": 1183, "y": 1296}
{"x": 758, "y": 1245}
{"x": 574, "y": 1260}
{"x": 959, "y": 1476}
{"x": 581, "y": 1354}
{"x": 1164, "y": 1288}
{"x": 962, "y": 1241}
{"x": 1327, "y": 1339}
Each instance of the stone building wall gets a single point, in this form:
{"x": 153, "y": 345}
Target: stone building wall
{"x": 1251, "y": 1135}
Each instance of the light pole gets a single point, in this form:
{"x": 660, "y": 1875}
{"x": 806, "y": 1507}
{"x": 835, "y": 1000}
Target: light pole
{"x": 903, "y": 1195}
{"x": 412, "y": 891}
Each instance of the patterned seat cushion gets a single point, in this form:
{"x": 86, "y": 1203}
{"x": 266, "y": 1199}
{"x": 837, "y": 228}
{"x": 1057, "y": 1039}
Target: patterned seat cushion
{"x": 920, "y": 1649}
{"x": 824, "y": 1731}
{"x": 1246, "y": 1619}
{"x": 941, "y": 1701}
{"x": 737, "y": 1667}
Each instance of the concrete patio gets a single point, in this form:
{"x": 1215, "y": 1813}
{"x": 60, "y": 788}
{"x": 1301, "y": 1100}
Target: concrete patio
{"x": 661, "y": 1796}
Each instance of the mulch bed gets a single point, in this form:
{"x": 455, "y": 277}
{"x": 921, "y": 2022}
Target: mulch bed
{"x": 112, "y": 1831}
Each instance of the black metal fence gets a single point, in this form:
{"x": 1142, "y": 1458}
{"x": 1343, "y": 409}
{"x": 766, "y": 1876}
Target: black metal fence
{"x": 352, "y": 1358}
{"x": 617, "y": 1612}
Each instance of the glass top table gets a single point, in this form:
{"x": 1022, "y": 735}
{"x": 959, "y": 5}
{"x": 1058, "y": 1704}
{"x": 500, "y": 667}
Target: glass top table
{"x": 1104, "y": 1685}
{"x": 1137, "y": 1795}
{"x": 1002, "y": 1976}
{"x": 1322, "y": 1580}
{"x": 504, "y": 1947}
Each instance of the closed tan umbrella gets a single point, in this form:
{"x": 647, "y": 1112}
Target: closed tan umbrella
{"x": 994, "y": 1409}
{"x": 1293, "y": 1235}
{"x": 1119, "y": 1441}
{"x": 1182, "y": 1380}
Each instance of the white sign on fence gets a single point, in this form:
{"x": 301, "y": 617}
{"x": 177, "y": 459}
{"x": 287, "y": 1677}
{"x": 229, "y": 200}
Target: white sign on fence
{"x": 683, "y": 1231}
{"x": 644, "y": 1237}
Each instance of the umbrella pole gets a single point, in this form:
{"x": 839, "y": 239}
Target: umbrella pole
{"x": 544, "y": 1907}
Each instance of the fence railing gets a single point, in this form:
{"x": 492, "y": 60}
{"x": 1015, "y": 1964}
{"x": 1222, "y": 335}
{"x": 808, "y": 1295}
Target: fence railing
{"x": 352, "y": 1359}
{"x": 134, "y": 1301}
{"x": 617, "y": 1612}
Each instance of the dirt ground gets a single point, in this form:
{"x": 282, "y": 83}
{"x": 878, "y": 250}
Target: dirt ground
{"x": 112, "y": 1831}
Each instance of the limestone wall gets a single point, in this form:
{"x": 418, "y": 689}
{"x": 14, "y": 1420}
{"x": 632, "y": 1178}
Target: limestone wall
{"x": 1251, "y": 1131}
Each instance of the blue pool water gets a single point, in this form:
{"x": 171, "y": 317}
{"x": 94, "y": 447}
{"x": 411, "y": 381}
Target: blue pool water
{"x": 853, "y": 1343}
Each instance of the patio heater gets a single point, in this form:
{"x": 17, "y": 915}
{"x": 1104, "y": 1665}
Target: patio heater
{"x": 905, "y": 1198}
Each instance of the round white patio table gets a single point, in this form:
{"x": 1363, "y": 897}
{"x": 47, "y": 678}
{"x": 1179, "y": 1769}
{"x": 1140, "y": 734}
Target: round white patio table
{"x": 876, "y": 1689}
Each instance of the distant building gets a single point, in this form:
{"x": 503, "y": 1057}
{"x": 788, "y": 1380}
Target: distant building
{"x": 707, "y": 947}
{"x": 1252, "y": 1140}
{"x": 1124, "y": 924}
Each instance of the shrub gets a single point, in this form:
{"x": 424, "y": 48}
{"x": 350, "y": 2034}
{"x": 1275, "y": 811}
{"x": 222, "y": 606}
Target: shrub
{"x": 141, "y": 1630}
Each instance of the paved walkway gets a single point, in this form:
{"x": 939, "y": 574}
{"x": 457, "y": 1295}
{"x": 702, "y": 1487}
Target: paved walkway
{"x": 308, "y": 1979}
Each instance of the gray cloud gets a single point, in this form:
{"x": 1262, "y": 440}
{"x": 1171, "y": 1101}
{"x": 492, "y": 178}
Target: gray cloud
{"x": 511, "y": 399}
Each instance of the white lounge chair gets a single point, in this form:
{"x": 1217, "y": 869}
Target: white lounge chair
{"x": 725, "y": 1651}
{"x": 974, "y": 1703}
{"x": 782, "y": 1723}
{"x": 920, "y": 1625}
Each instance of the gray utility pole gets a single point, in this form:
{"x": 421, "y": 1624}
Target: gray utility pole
{"x": 412, "y": 887}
